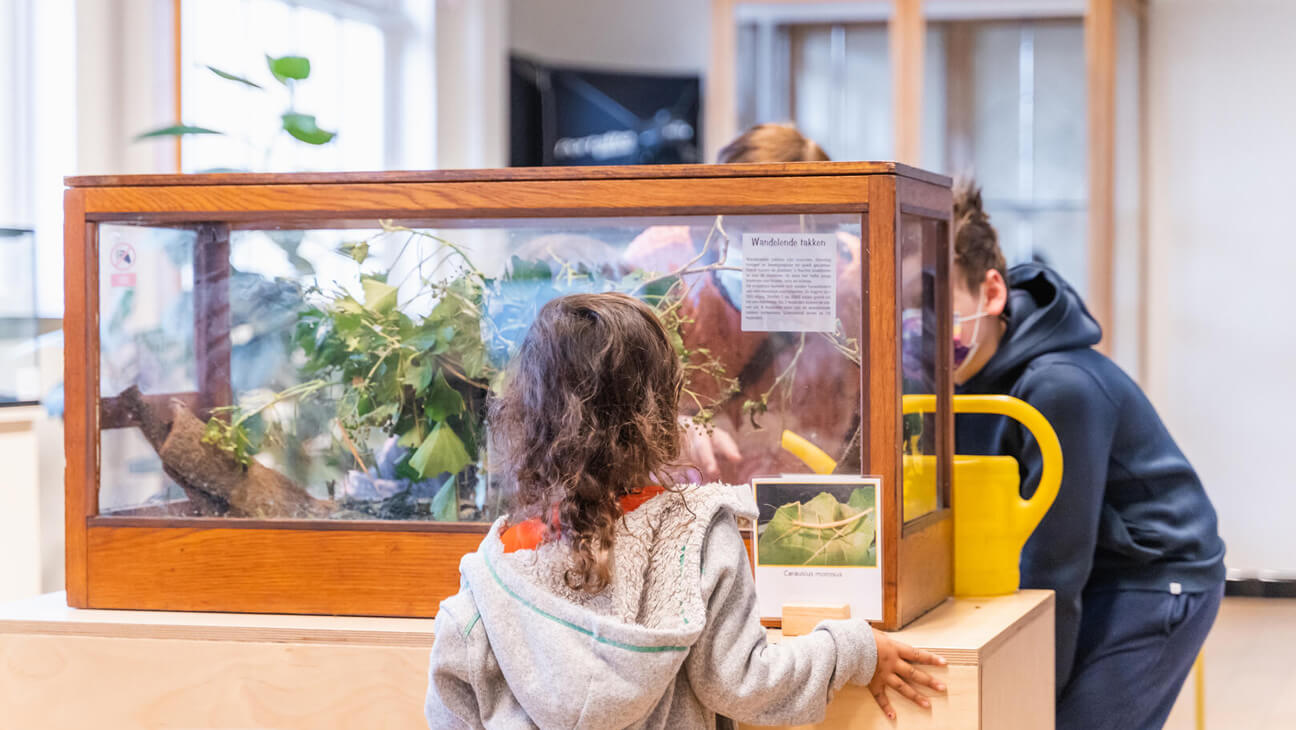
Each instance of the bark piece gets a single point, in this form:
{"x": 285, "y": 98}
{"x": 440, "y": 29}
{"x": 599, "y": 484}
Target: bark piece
{"x": 254, "y": 491}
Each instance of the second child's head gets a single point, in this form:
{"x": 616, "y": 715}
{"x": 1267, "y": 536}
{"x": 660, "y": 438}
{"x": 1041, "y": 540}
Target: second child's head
{"x": 588, "y": 414}
{"x": 772, "y": 143}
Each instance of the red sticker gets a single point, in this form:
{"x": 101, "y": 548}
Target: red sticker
{"x": 123, "y": 280}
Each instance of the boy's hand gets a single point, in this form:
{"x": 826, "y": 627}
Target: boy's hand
{"x": 895, "y": 669}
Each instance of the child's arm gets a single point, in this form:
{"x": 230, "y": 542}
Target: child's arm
{"x": 451, "y": 700}
{"x": 737, "y": 673}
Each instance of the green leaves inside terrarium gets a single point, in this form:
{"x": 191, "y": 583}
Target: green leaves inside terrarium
{"x": 406, "y": 364}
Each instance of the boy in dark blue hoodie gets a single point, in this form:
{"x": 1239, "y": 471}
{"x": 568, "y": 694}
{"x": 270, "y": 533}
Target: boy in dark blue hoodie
{"x": 1130, "y": 545}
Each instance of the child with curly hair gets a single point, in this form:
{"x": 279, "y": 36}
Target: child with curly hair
{"x": 610, "y": 597}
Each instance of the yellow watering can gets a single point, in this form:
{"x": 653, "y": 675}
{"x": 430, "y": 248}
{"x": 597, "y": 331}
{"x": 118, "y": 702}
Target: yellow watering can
{"x": 991, "y": 520}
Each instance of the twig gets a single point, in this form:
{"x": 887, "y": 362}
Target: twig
{"x": 687, "y": 269}
{"x": 459, "y": 374}
{"x": 351, "y": 445}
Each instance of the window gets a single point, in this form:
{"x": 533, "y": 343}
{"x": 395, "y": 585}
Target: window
{"x": 832, "y": 80}
{"x": 1014, "y": 116}
{"x": 359, "y": 52}
{"x": 1003, "y": 100}
{"x": 38, "y": 141}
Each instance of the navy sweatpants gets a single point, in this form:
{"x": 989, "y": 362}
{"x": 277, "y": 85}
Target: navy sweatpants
{"x": 1134, "y": 652}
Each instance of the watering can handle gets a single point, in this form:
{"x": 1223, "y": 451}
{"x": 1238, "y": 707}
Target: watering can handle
{"x": 1030, "y": 511}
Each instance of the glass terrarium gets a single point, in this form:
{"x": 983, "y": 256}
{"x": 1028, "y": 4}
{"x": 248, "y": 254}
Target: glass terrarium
{"x": 19, "y": 326}
{"x": 280, "y": 405}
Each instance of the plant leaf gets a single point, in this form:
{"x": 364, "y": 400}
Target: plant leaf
{"x": 440, "y": 452}
{"x": 380, "y": 297}
{"x": 289, "y": 67}
{"x": 175, "y": 130}
{"x": 523, "y": 270}
{"x": 786, "y": 540}
{"x": 383, "y": 414}
{"x": 442, "y": 400}
{"x": 304, "y": 128}
{"x": 445, "y": 505}
{"x": 418, "y": 376}
{"x": 409, "y": 439}
{"x": 347, "y": 305}
{"x": 359, "y": 250}
{"x": 233, "y": 77}
{"x": 422, "y": 339}
{"x": 474, "y": 360}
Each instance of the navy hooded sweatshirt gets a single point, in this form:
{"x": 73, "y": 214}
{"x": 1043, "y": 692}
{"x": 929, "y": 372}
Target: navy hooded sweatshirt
{"x": 1131, "y": 513}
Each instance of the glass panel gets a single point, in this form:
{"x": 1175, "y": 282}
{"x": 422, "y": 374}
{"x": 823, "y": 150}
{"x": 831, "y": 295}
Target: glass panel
{"x": 1060, "y": 145}
{"x": 1013, "y": 117}
{"x": 841, "y": 81}
{"x": 146, "y": 315}
{"x": 934, "y": 102}
{"x": 995, "y": 108}
{"x": 19, "y": 367}
{"x": 919, "y": 325}
{"x": 361, "y": 357}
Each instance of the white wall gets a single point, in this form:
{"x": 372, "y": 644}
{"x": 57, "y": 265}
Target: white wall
{"x": 629, "y": 35}
{"x": 123, "y": 86}
{"x": 472, "y": 83}
{"x": 1222, "y": 165}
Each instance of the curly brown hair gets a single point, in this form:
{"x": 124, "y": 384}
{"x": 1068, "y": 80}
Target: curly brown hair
{"x": 588, "y": 414}
{"x": 976, "y": 244}
{"x": 772, "y": 143}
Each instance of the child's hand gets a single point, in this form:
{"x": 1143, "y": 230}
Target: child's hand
{"x": 895, "y": 669}
{"x": 704, "y": 448}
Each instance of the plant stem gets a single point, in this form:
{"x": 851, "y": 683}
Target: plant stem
{"x": 351, "y": 445}
{"x": 297, "y": 391}
{"x": 460, "y": 375}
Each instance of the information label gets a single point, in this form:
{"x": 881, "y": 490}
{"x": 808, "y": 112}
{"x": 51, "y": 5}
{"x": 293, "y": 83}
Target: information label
{"x": 789, "y": 282}
{"x": 819, "y": 540}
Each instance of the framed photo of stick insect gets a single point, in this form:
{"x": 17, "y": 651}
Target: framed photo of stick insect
{"x": 819, "y": 540}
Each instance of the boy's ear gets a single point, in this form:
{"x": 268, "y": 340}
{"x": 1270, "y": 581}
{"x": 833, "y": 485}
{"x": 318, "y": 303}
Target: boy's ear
{"x": 995, "y": 290}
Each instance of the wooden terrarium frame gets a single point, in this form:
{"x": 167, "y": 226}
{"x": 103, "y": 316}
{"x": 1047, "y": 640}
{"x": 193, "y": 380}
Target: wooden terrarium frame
{"x": 405, "y": 568}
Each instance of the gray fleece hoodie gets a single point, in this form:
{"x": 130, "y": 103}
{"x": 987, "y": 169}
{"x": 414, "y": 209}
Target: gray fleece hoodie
{"x": 674, "y": 641}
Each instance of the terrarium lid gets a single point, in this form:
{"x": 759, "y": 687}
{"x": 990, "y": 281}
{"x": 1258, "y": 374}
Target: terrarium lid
{"x": 620, "y": 172}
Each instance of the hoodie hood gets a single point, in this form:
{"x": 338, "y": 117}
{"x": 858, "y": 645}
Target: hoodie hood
{"x": 572, "y": 660}
{"x": 1044, "y": 315}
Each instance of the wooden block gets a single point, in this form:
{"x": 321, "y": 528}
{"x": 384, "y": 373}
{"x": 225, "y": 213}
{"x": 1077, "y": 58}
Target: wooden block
{"x": 801, "y": 618}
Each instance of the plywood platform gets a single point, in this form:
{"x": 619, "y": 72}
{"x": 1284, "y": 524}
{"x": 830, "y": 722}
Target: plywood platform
{"x": 73, "y": 668}
{"x": 1000, "y": 673}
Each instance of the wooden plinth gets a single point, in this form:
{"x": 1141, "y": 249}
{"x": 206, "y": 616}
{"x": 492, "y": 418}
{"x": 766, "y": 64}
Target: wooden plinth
{"x": 1000, "y": 671}
{"x": 71, "y": 668}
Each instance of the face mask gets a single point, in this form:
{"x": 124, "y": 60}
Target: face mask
{"x": 965, "y": 349}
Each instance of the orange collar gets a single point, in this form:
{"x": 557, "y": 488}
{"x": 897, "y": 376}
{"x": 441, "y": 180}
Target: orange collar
{"x": 528, "y": 535}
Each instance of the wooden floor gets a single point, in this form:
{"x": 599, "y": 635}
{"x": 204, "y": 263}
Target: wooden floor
{"x": 1250, "y": 669}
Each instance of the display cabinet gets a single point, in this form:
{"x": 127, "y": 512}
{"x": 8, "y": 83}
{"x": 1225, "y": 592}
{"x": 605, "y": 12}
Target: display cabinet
{"x": 277, "y": 384}
{"x": 19, "y": 325}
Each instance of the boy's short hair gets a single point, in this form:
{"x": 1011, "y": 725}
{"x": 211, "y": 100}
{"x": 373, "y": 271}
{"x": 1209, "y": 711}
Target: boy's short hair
{"x": 976, "y": 244}
{"x": 772, "y": 143}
